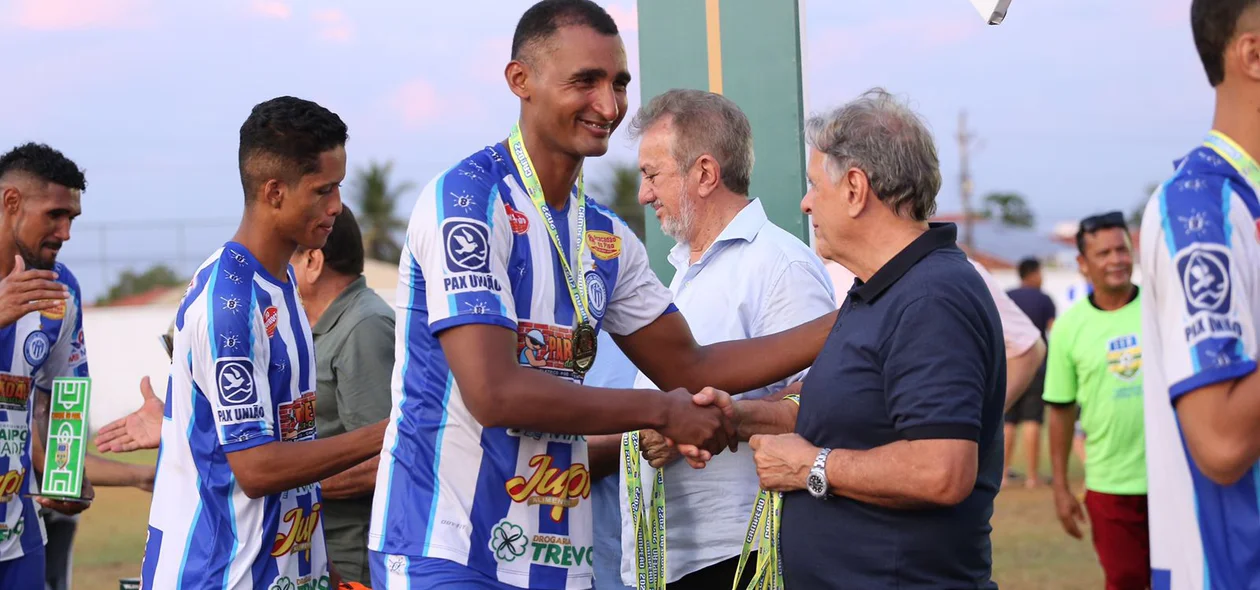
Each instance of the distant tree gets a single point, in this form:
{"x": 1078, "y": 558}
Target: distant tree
{"x": 375, "y": 199}
{"x": 132, "y": 283}
{"x": 621, "y": 194}
{"x": 1008, "y": 209}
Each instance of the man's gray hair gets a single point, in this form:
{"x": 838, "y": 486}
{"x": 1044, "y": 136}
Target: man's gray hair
{"x": 703, "y": 123}
{"x": 890, "y": 143}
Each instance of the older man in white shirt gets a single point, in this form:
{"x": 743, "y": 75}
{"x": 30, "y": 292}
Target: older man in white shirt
{"x": 738, "y": 276}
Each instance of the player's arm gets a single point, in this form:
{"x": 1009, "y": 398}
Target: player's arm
{"x": 468, "y": 304}
{"x": 1210, "y": 354}
{"x": 1221, "y": 423}
{"x": 802, "y": 292}
{"x": 243, "y": 418}
{"x": 668, "y": 354}
{"x": 501, "y": 393}
{"x": 275, "y": 466}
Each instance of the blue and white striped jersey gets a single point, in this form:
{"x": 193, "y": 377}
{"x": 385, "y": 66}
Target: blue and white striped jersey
{"x": 512, "y": 505}
{"x": 243, "y": 375}
{"x": 33, "y": 351}
{"x": 1200, "y": 257}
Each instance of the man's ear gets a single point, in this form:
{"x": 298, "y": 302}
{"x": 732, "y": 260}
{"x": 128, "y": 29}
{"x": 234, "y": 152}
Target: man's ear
{"x": 518, "y": 76}
{"x": 855, "y": 188}
{"x": 273, "y": 193}
{"x": 1247, "y": 48}
{"x": 10, "y": 199}
{"x": 314, "y": 264}
{"x": 710, "y": 175}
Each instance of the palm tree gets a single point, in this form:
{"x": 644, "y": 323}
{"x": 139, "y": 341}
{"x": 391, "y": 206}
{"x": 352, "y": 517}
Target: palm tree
{"x": 376, "y": 197}
{"x": 1009, "y": 208}
{"x": 621, "y": 194}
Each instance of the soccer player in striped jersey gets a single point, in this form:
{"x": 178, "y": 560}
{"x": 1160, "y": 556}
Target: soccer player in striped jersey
{"x": 41, "y": 338}
{"x": 236, "y": 503}
{"x": 1200, "y": 257}
{"x": 509, "y": 271}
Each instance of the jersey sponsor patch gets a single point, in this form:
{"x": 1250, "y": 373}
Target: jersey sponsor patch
{"x": 548, "y": 485}
{"x": 520, "y": 223}
{"x": 55, "y": 312}
{"x": 470, "y": 281}
{"x": 604, "y": 246}
{"x": 596, "y": 293}
{"x": 509, "y": 543}
{"x": 1204, "y": 272}
{"x": 36, "y": 348}
{"x": 235, "y": 377}
{"x": 467, "y": 246}
{"x": 297, "y": 418}
{"x": 270, "y": 318}
{"x": 15, "y": 392}
{"x": 546, "y": 347}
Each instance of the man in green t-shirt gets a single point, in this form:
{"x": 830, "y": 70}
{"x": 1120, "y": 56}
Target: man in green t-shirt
{"x": 1095, "y": 362}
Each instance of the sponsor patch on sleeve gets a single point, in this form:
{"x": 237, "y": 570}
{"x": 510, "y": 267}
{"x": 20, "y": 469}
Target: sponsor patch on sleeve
{"x": 467, "y": 245}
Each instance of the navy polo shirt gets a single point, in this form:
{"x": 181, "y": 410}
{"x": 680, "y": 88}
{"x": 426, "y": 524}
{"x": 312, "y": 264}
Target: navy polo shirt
{"x": 916, "y": 353}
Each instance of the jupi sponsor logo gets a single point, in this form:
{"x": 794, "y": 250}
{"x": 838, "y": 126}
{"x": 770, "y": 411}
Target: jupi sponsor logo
{"x": 551, "y": 486}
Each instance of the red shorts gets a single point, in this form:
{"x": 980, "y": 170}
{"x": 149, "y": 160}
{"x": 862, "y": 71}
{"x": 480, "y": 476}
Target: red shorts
{"x": 1121, "y": 538}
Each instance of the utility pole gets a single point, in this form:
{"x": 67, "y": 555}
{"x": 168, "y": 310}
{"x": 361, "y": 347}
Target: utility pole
{"x": 965, "y": 139}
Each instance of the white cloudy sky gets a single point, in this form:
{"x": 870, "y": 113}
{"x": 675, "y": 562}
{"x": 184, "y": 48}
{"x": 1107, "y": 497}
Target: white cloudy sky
{"x": 1080, "y": 103}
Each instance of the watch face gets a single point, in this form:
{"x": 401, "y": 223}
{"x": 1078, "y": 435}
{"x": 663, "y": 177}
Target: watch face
{"x": 817, "y": 486}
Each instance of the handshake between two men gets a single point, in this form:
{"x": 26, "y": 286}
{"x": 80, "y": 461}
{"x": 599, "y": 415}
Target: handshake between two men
{"x": 766, "y": 424}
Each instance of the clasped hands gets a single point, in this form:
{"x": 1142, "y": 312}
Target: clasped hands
{"x": 783, "y": 459}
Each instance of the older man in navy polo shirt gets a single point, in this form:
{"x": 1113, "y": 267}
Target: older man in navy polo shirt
{"x": 890, "y": 471}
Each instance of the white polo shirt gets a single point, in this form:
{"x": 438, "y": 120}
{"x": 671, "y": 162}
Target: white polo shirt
{"x": 756, "y": 279}
{"x": 1018, "y": 331}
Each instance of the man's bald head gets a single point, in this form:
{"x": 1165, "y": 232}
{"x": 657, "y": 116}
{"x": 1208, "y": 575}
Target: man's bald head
{"x": 540, "y": 23}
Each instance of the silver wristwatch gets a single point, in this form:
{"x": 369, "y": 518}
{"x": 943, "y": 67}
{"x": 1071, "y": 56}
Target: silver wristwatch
{"x": 816, "y": 483}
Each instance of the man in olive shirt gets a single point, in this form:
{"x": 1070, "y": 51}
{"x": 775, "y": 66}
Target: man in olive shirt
{"x": 353, "y": 330}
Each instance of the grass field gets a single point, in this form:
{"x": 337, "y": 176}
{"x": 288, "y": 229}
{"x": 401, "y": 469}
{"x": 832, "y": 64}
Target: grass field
{"x": 1030, "y": 549}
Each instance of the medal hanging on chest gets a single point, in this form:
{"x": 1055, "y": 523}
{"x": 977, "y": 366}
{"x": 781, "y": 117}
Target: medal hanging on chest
{"x": 582, "y": 341}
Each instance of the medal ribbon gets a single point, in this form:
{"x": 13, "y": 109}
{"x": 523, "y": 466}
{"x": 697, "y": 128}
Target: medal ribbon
{"x": 763, "y": 530}
{"x": 525, "y": 167}
{"x": 649, "y": 524}
{"x": 1235, "y": 155}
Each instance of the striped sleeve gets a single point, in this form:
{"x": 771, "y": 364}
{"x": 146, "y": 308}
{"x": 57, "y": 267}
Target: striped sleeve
{"x": 1200, "y": 272}
{"x": 230, "y": 359}
{"x": 458, "y": 244}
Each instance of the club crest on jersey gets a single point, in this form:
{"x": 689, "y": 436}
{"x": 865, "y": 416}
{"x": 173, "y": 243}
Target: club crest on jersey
{"x": 36, "y": 348}
{"x": 1204, "y": 270}
{"x": 1124, "y": 357}
{"x": 15, "y": 393}
{"x": 270, "y": 316}
{"x": 520, "y": 223}
{"x": 235, "y": 377}
{"x": 467, "y": 245}
{"x": 603, "y": 245}
{"x": 596, "y": 293}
